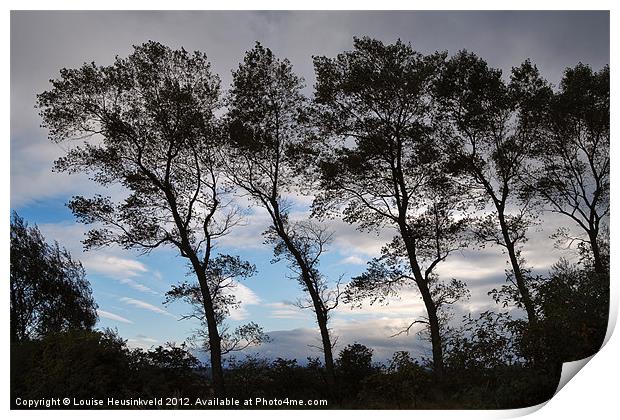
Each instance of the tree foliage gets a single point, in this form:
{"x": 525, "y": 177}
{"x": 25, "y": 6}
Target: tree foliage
{"x": 573, "y": 179}
{"x": 491, "y": 128}
{"x": 99, "y": 365}
{"x": 266, "y": 124}
{"x": 49, "y": 289}
{"x": 382, "y": 164}
{"x": 147, "y": 124}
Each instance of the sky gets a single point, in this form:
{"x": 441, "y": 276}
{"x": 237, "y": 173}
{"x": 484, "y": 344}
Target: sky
{"x": 129, "y": 288}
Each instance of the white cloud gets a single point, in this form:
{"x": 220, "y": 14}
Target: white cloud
{"x": 285, "y": 310}
{"x": 145, "y": 305}
{"x": 249, "y": 234}
{"x": 113, "y": 317}
{"x": 471, "y": 266}
{"x": 247, "y": 297}
{"x": 353, "y": 260}
{"x": 114, "y": 266}
{"x": 32, "y": 179}
{"x": 407, "y": 304}
{"x": 351, "y": 241}
{"x": 112, "y": 261}
{"x": 138, "y": 286}
{"x": 142, "y": 341}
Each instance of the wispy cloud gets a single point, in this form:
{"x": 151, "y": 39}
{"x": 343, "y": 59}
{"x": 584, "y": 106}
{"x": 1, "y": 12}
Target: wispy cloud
{"x": 285, "y": 310}
{"x": 408, "y": 303}
{"x": 138, "y": 286}
{"x": 113, "y": 317}
{"x": 142, "y": 341}
{"x": 111, "y": 262}
{"x": 145, "y": 305}
{"x": 353, "y": 260}
{"x": 114, "y": 266}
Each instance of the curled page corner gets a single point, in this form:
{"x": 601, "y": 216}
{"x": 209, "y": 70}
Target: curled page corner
{"x": 519, "y": 412}
{"x": 570, "y": 369}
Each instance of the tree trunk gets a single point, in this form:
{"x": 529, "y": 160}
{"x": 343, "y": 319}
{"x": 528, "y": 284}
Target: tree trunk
{"x": 518, "y": 273}
{"x": 523, "y": 290}
{"x": 427, "y": 298}
{"x": 327, "y": 353}
{"x": 599, "y": 267}
{"x": 215, "y": 350}
{"x": 321, "y": 315}
{"x": 433, "y": 321}
{"x": 215, "y": 341}
{"x": 321, "y": 318}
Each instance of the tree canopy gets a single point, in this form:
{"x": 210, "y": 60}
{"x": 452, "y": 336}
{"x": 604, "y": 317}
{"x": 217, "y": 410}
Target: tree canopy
{"x": 49, "y": 289}
{"x": 147, "y": 124}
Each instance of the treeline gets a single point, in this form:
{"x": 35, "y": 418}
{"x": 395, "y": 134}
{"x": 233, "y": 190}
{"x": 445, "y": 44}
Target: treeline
{"x": 444, "y": 150}
{"x": 486, "y": 357}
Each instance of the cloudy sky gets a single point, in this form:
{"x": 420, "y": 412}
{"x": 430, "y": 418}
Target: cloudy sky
{"x": 129, "y": 288}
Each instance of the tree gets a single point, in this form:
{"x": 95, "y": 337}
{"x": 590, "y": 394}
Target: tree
{"x": 265, "y": 122}
{"x": 147, "y": 124}
{"x": 225, "y": 271}
{"x": 483, "y": 343}
{"x": 573, "y": 179}
{"x": 49, "y": 289}
{"x": 574, "y": 308}
{"x": 79, "y": 363}
{"x": 166, "y": 370}
{"x": 402, "y": 383}
{"x": 98, "y": 365}
{"x": 491, "y": 131}
{"x": 383, "y": 166}
{"x": 354, "y": 364}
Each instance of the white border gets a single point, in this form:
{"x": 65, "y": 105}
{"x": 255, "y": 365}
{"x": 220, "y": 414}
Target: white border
{"x": 592, "y": 395}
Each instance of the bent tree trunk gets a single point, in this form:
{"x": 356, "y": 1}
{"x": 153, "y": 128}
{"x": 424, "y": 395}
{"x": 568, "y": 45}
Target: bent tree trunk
{"x": 526, "y": 298}
{"x": 319, "y": 307}
{"x": 321, "y": 318}
{"x": 433, "y": 321}
{"x": 215, "y": 341}
{"x": 429, "y": 304}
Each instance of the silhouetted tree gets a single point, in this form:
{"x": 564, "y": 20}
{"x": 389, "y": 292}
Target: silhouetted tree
{"x": 169, "y": 370}
{"x": 80, "y": 364}
{"x": 490, "y": 137}
{"x": 225, "y": 271}
{"x": 402, "y": 383}
{"x": 49, "y": 290}
{"x": 384, "y": 167}
{"x": 147, "y": 124}
{"x": 266, "y": 115}
{"x": 487, "y": 360}
{"x": 99, "y": 365}
{"x": 574, "y": 152}
{"x": 482, "y": 343}
{"x": 354, "y": 364}
{"x": 574, "y": 308}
